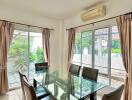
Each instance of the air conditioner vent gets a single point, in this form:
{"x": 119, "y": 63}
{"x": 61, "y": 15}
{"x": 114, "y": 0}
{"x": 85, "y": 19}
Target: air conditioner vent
{"x": 95, "y": 12}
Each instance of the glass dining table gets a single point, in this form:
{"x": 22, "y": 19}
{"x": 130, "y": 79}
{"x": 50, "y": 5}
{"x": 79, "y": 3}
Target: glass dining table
{"x": 73, "y": 88}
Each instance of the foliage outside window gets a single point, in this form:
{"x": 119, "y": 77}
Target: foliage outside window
{"x": 37, "y": 56}
{"x": 116, "y": 46}
{"x": 19, "y": 53}
{"x": 86, "y": 41}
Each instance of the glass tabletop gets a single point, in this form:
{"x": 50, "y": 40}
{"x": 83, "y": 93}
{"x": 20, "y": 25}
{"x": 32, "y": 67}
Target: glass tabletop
{"x": 73, "y": 88}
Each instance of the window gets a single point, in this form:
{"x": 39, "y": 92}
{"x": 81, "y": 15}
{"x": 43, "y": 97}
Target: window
{"x": 77, "y": 50}
{"x": 83, "y": 49}
{"x": 17, "y": 57}
{"x": 87, "y": 48}
{"x": 23, "y": 53}
{"x": 117, "y": 68}
{"x": 100, "y": 49}
{"x": 36, "y": 51}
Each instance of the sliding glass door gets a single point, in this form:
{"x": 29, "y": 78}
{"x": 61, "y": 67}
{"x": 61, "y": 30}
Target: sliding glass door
{"x": 86, "y": 48}
{"x": 83, "y": 49}
{"x": 17, "y": 57}
{"x": 77, "y": 50}
{"x": 100, "y": 49}
{"x": 25, "y": 50}
{"x": 35, "y": 52}
{"x": 101, "y": 53}
{"x": 117, "y": 69}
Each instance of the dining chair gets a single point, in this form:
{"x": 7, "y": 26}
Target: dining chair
{"x": 41, "y": 66}
{"x": 114, "y": 95}
{"x": 30, "y": 92}
{"x": 21, "y": 76}
{"x": 74, "y": 69}
{"x": 90, "y": 73}
{"x": 40, "y": 91}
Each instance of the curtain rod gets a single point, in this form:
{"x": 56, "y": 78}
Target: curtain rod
{"x": 98, "y": 21}
{"x": 26, "y": 24}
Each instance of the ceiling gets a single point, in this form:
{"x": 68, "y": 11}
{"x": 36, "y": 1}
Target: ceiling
{"x": 59, "y": 9}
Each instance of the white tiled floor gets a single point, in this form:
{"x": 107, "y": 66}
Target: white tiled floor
{"x": 12, "y": 95}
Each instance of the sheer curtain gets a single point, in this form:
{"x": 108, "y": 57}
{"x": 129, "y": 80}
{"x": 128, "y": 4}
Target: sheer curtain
{"x": 6, "y": 34}
{"x": 124, "y": 23}
{"x": 46, "y": 44}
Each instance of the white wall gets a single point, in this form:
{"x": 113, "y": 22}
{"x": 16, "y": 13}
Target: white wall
{"x": 11, "y": 14}
{"x": 113, "y": 7}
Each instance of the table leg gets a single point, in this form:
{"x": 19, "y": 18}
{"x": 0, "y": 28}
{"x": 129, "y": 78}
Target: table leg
{"x": 93, "y": 96}
{"x": 34, "y": 83}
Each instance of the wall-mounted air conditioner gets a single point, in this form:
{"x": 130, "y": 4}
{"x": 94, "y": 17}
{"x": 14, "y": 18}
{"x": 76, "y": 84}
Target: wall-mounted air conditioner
{"x": 92, "y": 13}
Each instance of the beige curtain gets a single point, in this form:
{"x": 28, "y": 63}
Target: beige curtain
{"x": 71, "y": 42}
{"x": 46, "y": 44}
{"x": 6, "y": 34}
{"x": 124, "y": 23}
